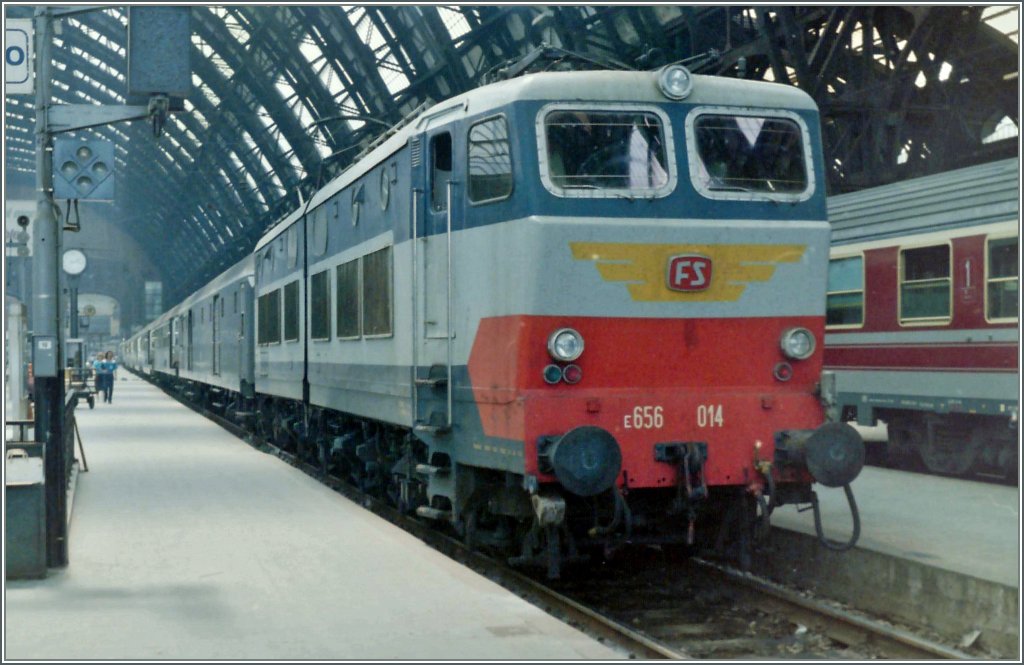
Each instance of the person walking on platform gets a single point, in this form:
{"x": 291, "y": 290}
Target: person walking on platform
{"x": 97, "y": 377}
{"x": 109, "y": 367}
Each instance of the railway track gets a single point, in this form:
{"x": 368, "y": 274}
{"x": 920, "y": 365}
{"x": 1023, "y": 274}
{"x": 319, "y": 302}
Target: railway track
{"x": 654, "y": 608}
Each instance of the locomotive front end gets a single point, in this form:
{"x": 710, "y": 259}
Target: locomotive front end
{"x": 666, "y": 380}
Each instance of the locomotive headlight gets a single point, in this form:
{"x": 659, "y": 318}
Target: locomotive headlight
{"x": 798, "y": 343}
{"x": 565, "y": 344}
{"x": 675, "y": 82}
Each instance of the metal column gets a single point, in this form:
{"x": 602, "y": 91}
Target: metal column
{"x": 48, "y": 392}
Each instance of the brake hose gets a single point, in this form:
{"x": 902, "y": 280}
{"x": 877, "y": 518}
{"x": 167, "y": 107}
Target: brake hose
{"x": 833, "y": 545}
{"x": 620, "y": 508}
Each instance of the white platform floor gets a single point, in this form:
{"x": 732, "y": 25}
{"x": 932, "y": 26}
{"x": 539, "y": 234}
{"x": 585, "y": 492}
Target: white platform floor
{"x": 963, "y": 526}
{"x": 186, "y": 543}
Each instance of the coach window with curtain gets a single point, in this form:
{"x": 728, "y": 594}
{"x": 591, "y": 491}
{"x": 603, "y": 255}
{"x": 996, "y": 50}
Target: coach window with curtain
{"x": 1002, "y": 288}
{"x": 925, "y": 285}
{"x": 845, "y": 300}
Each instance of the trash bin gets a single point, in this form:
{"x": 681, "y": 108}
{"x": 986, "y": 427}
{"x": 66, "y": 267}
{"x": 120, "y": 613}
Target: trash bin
{"x": 25, "y": 543}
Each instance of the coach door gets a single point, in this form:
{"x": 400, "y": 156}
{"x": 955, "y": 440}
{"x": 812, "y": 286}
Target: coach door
{"x": 215, "y": 316}
{"x": 188, "y": 341}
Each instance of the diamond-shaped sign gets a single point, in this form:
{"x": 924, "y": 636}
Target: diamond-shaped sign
{"x": 83, "y": 169}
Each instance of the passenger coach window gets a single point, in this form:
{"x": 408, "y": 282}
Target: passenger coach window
{"x": 320, "y": 306}
{"x": 347, "y": 323}
{"x": 749, "y": 154}
{"x": 1002, "y": 277}
{"x": 845, "y": 303}
{"x": 291, "y": 311}
{"x": 490, "y": 161}
{"x": 600, "y": 150}
{"x": 925, "y": 285}
{"x": 269, "y": 321}
{"x": 377, "y": 293}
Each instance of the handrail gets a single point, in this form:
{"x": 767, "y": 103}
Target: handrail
{"x": 448, "y": 326}
{"x": 415, "y": 324}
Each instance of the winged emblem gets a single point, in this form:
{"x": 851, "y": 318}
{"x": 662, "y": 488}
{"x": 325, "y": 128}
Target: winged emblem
{"x": 643, "y": 267}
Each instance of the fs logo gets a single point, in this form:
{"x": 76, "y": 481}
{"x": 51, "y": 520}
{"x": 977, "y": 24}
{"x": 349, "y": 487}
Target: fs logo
{"x": 689, "y": 272}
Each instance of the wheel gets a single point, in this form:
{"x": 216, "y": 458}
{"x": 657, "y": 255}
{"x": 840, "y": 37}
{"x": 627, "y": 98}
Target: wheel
{"x": 950, "y": 446}
{"x": 905, "y": 439}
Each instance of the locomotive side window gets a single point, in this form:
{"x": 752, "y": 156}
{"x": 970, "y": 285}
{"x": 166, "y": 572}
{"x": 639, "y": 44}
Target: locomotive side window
{"x": 925, "y": 285}
{"x": 377, "y": 293}
{"x": 845, "y": 300}
{"x": 347, "y": 323}
{"x": 490, "y": 161}
{"x": 440, "y": 170}
{"x": 588, "y": 149}
{"x": 269, "y": 321}
{"x": 320, "y": 306}
{"x": 291, "y": 311}
{"x": 1003, "y": 255}
{"x": 747, "y": 154}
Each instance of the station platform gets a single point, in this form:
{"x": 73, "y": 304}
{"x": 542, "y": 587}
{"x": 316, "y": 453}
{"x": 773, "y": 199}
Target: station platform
{"x": 963, "y": 526}
{"x": 188, "y": 544}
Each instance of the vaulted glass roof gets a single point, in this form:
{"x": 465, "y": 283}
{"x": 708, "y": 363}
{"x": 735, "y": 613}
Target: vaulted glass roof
{"x": 285, "y": 96}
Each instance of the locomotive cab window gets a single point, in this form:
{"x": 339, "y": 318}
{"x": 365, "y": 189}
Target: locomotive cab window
{"x": 490, "y": 161}
{"x": 845, "y": 299}
{"x": 588, "y": 152}
{"x": 1002, "y": 279}
{"x": 925, "y": 285}
{"x": 749, "y": 157}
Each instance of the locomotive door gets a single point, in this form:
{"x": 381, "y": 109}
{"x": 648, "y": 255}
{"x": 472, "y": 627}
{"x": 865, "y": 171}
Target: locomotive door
{"x": 437, "y": 239}
{"x": 435, "y": 212}
{"x": 215, "y": 315}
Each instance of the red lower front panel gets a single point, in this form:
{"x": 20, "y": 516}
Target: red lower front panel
{"x": 650, "y": 381}
{"x": 731, "y": 423}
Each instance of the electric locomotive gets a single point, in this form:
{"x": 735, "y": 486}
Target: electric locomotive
{"x": 565, "y": 311}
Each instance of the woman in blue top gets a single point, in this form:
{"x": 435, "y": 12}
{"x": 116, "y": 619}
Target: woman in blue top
{"x": 97, "y": 375}
{"x": 109, "y": 367}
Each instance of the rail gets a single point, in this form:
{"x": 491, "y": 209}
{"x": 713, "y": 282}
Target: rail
{"x": 840, "y": 625}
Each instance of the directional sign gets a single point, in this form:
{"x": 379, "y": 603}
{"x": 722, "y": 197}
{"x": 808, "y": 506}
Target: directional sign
{"x": 18, "y": 57}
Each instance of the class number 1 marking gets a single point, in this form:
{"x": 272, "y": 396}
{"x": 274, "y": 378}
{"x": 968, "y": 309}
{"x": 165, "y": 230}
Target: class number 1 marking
{"x": 644, "y": 417}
